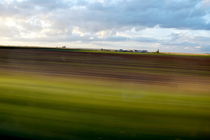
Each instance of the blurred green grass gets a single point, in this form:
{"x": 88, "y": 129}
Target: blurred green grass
{"x": 35, "y": 107}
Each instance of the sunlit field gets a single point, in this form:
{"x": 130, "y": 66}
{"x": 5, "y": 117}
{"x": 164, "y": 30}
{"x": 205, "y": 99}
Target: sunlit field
{"x": 57, "y": 95}
{"x": 54, "y": 108}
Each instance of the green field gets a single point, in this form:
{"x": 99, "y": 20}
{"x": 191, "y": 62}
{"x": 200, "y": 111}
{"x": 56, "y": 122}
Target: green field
{"x": 50, "y": 107}
{"x": 70, "y": 94}
{"x": 105, "y": 51}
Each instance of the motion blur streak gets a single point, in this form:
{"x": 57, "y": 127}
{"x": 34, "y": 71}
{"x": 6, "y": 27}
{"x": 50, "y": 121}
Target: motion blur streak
{"x": 69, "y": 94}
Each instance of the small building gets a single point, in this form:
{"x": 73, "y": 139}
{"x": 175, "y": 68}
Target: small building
{"x": 141, "y": 51}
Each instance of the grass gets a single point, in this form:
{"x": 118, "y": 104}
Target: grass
{"x": 133, "y": 53}
{"x": 104, "y": 51}
{"x": 148, "y": 53}
{"x": 38, "y": 107}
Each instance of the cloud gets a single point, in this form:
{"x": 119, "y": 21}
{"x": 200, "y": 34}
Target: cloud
{"x": 114, "y": 14}
{"x": 175, "y": 22}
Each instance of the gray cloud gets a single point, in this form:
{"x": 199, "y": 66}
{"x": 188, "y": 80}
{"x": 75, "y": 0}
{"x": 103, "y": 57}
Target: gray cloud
{"x": 102, "y": 20}
{"x": 115, "y": 14}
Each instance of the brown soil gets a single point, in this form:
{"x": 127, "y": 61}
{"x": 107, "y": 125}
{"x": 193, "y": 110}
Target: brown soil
{"x": 141, "y": 68}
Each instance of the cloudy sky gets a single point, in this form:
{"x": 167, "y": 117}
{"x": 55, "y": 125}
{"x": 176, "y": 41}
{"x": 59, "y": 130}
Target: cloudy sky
{"x": 168, "y": 25}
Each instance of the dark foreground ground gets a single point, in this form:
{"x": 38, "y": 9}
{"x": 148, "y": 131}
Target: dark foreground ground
{"x": 146, "y": 68}
{"x": 66, "y": 94}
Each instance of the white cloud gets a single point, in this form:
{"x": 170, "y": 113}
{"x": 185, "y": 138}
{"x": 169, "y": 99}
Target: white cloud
{"x": 170, "y": 25}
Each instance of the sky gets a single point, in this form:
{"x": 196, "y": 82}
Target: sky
{"x": 168, "y": 25}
